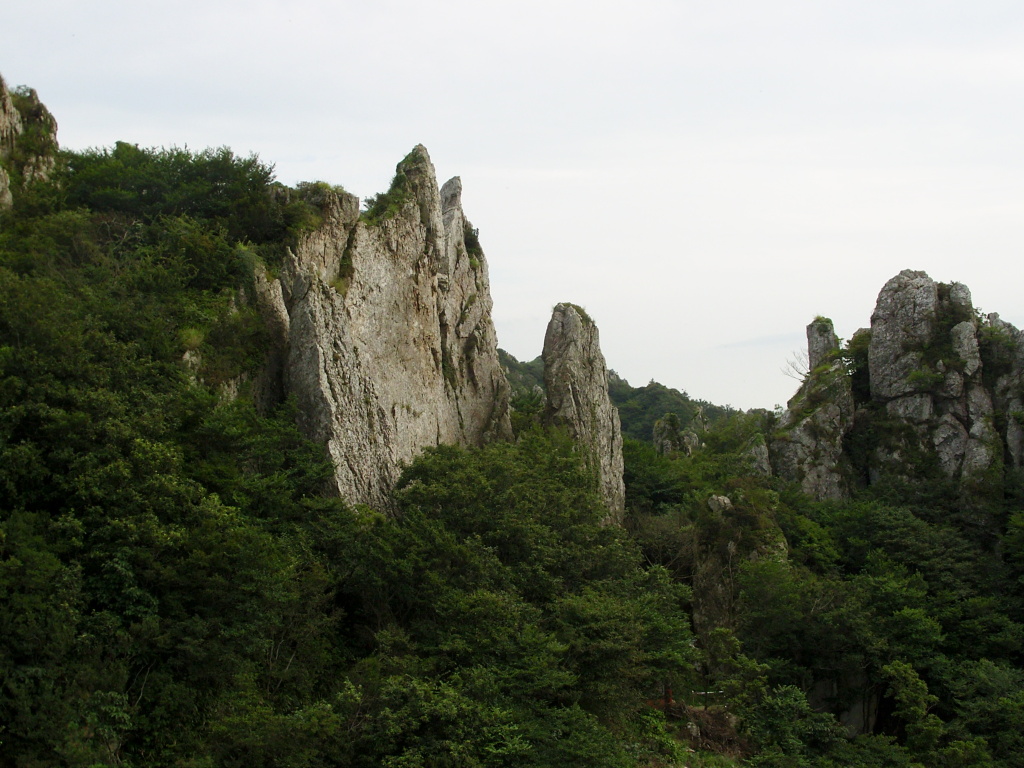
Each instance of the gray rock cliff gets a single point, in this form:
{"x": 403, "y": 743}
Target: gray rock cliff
{"x": 576, "y": 381}
{"x": 808, "y": 444}
{"x": 1006, "y": 346}
{"x": 383, "y": 333}
{"x": 926, "y": 371}
{"x": 28, "y": 141}
{"x": 667, "y": 435}
{"x": 933, "y": 392}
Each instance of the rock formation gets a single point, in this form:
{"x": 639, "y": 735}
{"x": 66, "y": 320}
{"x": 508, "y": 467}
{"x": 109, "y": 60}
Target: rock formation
{"x": 931, "y": 393}
{"x": 808, "y": 444}
{"x": 383, "y": 332}
{"x": 10, "y": 130}
{"x": 380, "y": 326}
{"x": 667, "y": 435}
{"x": 926, "y": 370}
{"x": 28, "y": 141}
{"x": 1005, "y": 345}
{"x": 576, "y": 380}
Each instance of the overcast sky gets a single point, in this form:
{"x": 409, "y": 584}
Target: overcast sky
{"x": 703, "y": 177}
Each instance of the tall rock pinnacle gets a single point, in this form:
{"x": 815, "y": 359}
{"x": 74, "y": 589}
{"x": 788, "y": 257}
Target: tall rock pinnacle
{"x": 926, "y": 371}
{"x": 576, "y": 380}
{"x": 808, "y": 443}
{"x": 384, "y": 326}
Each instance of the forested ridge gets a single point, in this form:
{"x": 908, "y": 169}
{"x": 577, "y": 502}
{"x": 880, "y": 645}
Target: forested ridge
{"x": 178, "y": 589}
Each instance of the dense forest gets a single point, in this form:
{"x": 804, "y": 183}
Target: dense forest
{"x": 178, "y": 589}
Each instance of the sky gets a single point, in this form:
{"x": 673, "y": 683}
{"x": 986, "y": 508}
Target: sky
{"x": 703, "y": 177}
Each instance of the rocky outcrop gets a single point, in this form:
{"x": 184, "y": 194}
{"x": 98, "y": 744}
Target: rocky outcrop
{"x": 10, "y": 130}
{"x": 926, "y": 371}
{"x": 10, "y": 120}
{"x": 758, "y": 456}
{"x": 931, "y": 393}
{"x": 576, "y": 381}
{"x": 28, "y": 141}
{"x": 1005, "y": 345}
{"x": 667, "y": 435}
{"x": 807, "y": 446}
{"x": 383, "y": 332}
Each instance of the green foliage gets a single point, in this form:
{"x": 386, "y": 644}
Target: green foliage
{"x": 471, "y": 236}
{"x": 523, "y": 377}
{"x": 939, "y": 348}
{"x": 640, "y": 407}
{"x": 787, "y": 730}
{"x": 855, "y": 356}
{"x": 386, "y": 205}
{"x": 654, "y": 483}
{"x": 527, "y": 383}
{"x": 213, "y": 185}
{"x": 925, "y": 379}
{"x": 997, "y": 349}
{"x": 511, "y": 626}
{"x": 177, "y": 586}
{"x": 809, "y": 610}
{"x": 587, "y": 320}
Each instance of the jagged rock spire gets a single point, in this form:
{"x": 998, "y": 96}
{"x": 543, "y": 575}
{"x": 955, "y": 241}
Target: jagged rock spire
{"x": 808, "y": 444}
{"x": 389, "y": 344}
{"x": 576, "y": 380}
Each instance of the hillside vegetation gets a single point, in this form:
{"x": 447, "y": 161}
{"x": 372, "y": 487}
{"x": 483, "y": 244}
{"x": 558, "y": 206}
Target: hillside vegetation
{"x": 177, "y": 589}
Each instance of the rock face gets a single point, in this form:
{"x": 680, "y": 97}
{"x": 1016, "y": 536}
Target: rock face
{"x": 383, "y": 333}
{"x": 1008, "y": 390}
{"x": 10, "y": 130}
{"x": 667, "y": 435}
{"x": 926, "y": 370}
{"x": 931, "y": 393}
{"x": 28, "y": 141}
{"x": 576, "y": 380}
{"x": 808, "y": 445}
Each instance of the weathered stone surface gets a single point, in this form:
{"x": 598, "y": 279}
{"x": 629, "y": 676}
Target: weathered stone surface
{"x": 942, "y": 390}
{"x": 14, "y": 122}
{"x": 808, "y": 444}
{"x": 719, "y": 504}
{"x": 960, "y": 297}
{"x": 822, "y": 343}
{"x": 901, "y": 325}
{"x": 926, "y": 370}
{"x": 965, "y": 346}
{"x": 386, "y": 335}
{"x": 950, "y": 439}
{"x": 1008, "y": 391}
{"x": 10, "y": 130}
{"x": 667, "y": 435}
{"x": 10, "y": 121}
{"x": 760, "y": 459}
{"x": 953, "y": 385}
{"x": 915, "y": 408}
{"x": 576, "y": 380}
{"x": 6, "y": 197}
{"x": 984, "y": 443}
